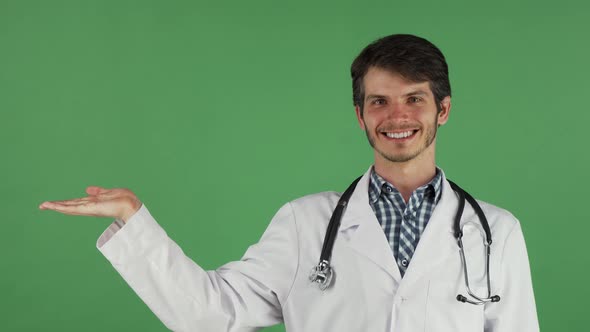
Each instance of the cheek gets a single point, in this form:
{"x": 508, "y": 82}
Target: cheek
{"x": 370, "y": 120}
{"x": 368, "y": 125}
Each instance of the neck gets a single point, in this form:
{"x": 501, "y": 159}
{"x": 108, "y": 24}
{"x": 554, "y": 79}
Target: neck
{"x": 407, "y": 176}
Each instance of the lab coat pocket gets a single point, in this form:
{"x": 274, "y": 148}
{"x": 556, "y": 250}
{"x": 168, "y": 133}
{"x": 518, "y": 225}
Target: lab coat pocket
{"x": 445, "y": 313}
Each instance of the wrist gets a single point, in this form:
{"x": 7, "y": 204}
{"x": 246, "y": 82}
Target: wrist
{"x": 133, "y": 208}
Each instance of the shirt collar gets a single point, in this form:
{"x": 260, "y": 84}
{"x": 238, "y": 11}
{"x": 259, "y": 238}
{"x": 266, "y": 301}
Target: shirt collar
{"x": 378, "y": 183}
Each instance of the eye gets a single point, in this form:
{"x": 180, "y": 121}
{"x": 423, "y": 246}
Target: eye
{"x": 414, "y": 99}
{"x": 378, "y": 101}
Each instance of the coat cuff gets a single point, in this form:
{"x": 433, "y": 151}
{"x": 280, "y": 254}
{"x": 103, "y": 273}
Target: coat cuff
{"x": 121, "y": 242}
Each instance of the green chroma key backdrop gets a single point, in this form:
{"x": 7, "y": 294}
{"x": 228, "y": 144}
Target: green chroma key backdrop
{"x": 215, "y": 114}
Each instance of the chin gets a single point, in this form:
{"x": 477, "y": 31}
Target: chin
{"x": 396, "y": 158}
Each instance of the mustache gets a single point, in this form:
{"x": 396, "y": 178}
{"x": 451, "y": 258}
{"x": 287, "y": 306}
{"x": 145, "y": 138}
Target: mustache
{"x": 395, "y": 127}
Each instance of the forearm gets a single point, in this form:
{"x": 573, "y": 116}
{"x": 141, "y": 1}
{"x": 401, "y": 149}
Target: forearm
{"x": 239, "y": 296}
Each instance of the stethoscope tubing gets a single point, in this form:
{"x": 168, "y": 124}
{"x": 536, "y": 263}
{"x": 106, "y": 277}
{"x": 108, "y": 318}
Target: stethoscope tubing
{"x": 322, "y": 274}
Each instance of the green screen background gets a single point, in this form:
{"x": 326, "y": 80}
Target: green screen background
{"x": 215, "y": 114}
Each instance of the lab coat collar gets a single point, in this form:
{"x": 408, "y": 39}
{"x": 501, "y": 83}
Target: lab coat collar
{"x": 368, "y": 237}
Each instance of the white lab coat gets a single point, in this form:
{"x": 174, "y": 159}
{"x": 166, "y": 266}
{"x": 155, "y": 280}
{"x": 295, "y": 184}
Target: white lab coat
{"x": 270, "y": 283}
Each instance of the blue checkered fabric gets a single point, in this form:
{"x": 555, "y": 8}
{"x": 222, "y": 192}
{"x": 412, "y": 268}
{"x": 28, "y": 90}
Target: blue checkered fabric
{"x": 403, "y": 223}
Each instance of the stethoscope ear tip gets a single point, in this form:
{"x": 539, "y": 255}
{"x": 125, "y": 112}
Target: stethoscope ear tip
{"x": 495, "y": 298}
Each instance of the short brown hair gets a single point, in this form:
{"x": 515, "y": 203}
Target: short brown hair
{"x": 413, "y": 57}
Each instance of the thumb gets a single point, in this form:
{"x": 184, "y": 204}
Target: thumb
{"x": 95, "y": 190}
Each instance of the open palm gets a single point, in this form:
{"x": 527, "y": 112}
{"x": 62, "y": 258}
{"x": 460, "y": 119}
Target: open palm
{"x": 101, "y": 202}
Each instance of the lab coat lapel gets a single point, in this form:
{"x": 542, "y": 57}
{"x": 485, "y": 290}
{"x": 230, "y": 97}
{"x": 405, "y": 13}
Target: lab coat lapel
{"x": 437, "y": 241}
{"x": 367, "y": 236}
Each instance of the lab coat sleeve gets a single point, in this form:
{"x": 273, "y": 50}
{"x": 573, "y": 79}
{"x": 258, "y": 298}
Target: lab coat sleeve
{"x": 516, "y": 311}
{"x": 239, "y": 296}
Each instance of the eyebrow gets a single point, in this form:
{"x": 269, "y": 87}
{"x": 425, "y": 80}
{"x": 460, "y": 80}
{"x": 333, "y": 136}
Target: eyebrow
{"x": 411, "y": 93}
{"x": 416, "y": 93}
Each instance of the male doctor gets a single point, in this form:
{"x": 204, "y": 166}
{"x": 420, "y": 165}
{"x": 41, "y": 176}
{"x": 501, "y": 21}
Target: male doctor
{"x": 396, "y": 262}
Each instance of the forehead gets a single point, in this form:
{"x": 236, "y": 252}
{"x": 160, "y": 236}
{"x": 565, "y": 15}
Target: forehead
{"x": 386, "y": 82}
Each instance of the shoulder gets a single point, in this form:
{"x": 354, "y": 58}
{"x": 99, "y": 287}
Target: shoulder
{"x": 316, "y": 200}
{"x": 501, "y": 221}
{"x": 316, "y": 204}
{"x": 498, "y": 214}
{"x": 313, "y": 210}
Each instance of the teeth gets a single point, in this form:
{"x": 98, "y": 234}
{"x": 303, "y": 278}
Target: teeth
{"x": 399, "y": 135}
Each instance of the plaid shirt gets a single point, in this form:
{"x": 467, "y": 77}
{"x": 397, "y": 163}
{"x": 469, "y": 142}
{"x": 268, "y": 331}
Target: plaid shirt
{"x": 403, "y": 224}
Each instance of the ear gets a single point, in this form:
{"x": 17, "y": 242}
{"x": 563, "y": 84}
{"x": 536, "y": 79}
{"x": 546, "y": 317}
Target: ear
{"x": 359, "y": 117}
{"x": 445, "y": 109}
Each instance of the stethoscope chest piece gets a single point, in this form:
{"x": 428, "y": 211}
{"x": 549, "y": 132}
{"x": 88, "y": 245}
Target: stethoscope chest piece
{"x": 322, "y": 275}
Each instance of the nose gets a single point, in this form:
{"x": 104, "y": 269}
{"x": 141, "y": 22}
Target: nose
{"x": 398, "y": 111}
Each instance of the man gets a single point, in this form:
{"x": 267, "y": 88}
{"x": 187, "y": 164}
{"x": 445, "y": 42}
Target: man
{"x": 395, "y": 258}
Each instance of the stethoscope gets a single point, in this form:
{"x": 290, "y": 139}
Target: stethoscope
{"x": 322, "y": 274}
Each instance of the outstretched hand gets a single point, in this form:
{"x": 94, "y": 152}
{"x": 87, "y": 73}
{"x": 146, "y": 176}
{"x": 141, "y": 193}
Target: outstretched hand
{"x": 118, "y": 203}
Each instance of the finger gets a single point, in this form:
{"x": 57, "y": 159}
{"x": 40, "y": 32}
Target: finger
{"x": 81, "y": 209}
{"x": 74, "y": 201}
{"x": 71, "y": 202}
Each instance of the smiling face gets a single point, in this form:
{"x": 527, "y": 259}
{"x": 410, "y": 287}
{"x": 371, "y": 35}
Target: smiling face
{"x": 400, "y": 117}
